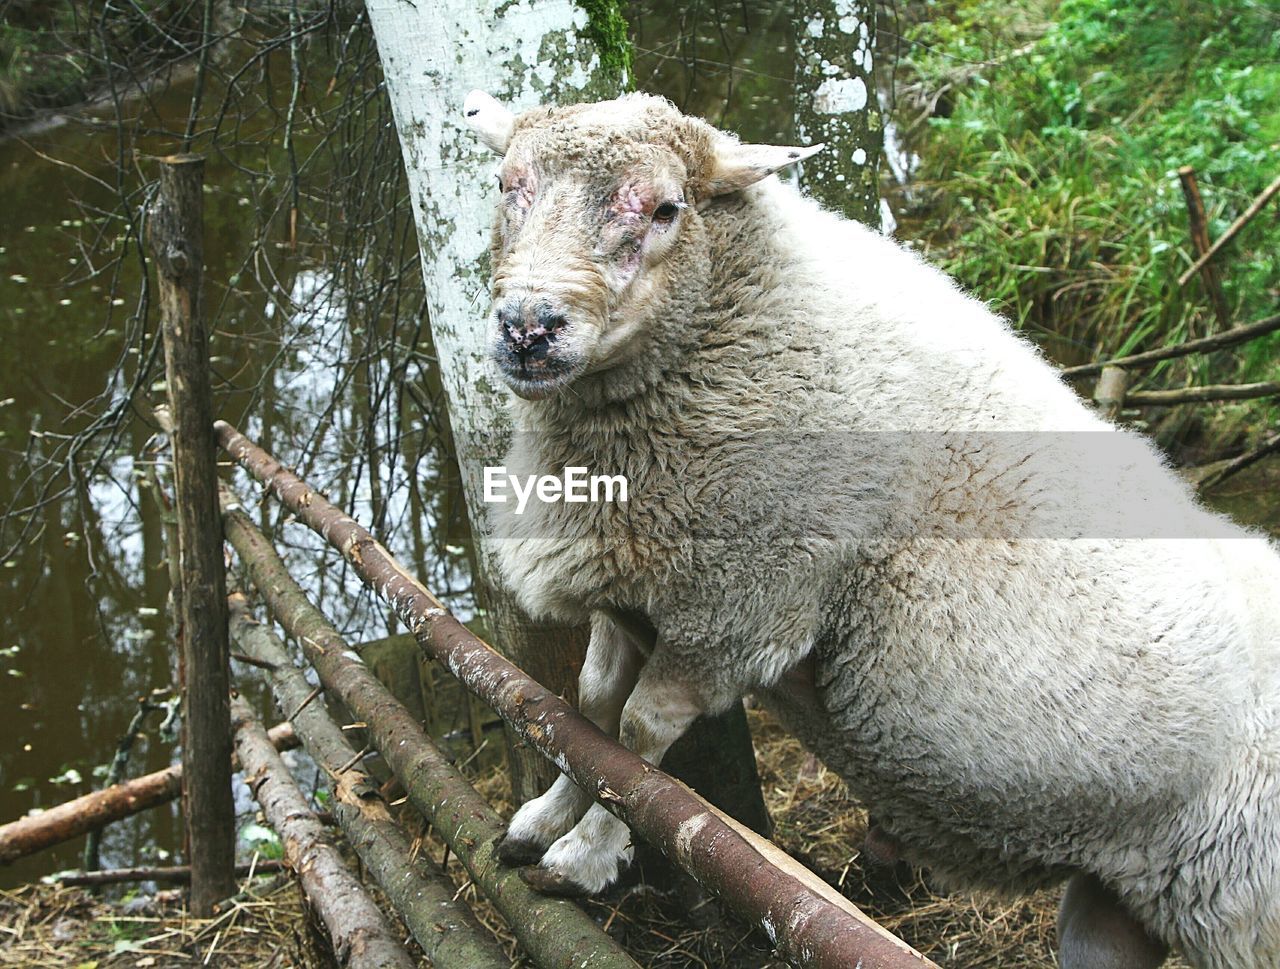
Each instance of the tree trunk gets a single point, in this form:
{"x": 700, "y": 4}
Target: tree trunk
{"x": 432, "y": 55}
{"x": 837, "y": 105}
{"x": 176, "y": 237}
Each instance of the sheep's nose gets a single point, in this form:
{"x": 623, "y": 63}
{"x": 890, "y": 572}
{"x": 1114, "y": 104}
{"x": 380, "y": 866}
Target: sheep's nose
{"x": 528, "y": 331}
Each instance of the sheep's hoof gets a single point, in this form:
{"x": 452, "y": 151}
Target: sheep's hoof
{"x": 518, "y": 852}
{"x": 548, "y": 881}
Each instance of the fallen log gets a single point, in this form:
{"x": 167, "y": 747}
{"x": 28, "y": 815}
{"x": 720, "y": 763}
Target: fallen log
{"x": 94, "y": 810}
{"x": 1219, "y": 341}
{"x": 362, "y": 937}
{"x": 166, "y": 875}
{"x": 811, "y": 924}
{"x": 554, "y": 932}
{"x": 1201, "y": 395}
{"x": 424, "y": 897}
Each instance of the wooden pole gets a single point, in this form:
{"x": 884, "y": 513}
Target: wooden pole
{"x": 426, "y": 899}
{"x": 1205, "y": 344}
{"x": 176, "y": 238}
{"x": 1201, "y": 395}
{"x": 554, "y": 932}
{"x": 362, "y": 936}
{"x": 71, "y": 819}
{"x": 1199, "y": 224}
{"x": 1109, "y": 394}
{"x": 166, "y": 875}
{"x": 812, "y": 924}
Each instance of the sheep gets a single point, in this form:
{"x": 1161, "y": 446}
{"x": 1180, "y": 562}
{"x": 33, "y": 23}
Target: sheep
{"x": 858, "y": 495}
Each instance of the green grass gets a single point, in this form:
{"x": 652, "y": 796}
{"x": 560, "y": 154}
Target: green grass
{"x": 1050, "y": 184}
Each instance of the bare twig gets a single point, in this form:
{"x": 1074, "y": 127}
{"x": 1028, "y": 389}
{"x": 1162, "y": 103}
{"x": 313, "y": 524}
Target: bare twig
{"x": 1254, "y": 208}
{"x": 1219, "y": 341}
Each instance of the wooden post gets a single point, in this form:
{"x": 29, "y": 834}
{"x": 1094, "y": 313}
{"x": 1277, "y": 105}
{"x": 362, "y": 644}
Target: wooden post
{"x": 1109, "y": 394}
{"x": 176, "y": 238}
{"x": 1200, "y": 241}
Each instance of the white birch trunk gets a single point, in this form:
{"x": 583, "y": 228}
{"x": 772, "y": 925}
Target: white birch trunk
{"x": 836, "y": 105}
{"x": 433, "y": 52}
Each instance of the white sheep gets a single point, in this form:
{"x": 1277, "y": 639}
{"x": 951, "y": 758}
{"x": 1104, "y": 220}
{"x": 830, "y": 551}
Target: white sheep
{"x": 857, "y": 494}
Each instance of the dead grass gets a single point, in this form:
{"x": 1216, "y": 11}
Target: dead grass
{"x": 69, "y": 928}
{"x": 816, "y": 821}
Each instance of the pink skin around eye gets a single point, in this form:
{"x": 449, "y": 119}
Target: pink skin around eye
{"x": 520, "y": 183}
{"x": 629, "y": 209}
{"x": 631, "y": 202}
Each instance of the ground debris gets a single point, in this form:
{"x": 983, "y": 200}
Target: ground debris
{"x": 70, "y": 928}
{"x": 815, "y": 819}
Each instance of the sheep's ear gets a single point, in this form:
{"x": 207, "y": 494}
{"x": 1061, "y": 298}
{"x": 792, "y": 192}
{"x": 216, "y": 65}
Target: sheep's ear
{"x": 736, "y": 166}
{"x": 490, "y": 120}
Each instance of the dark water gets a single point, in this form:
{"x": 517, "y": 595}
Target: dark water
{"x": 83, "y": 595}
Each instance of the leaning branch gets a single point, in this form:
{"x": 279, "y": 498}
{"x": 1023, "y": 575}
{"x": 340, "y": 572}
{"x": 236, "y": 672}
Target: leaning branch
{"x": 1219, "y": 341}
{"x": 1254, "y": 208}
{"x": 445, "y": 928}
{"x": 554, "y": 932}
{"x": 1201, "y": 395}
{"x": 811, "y": 923}
{"x": 1270, "y": 446}
{"x": 99, "y": 808}
{"x": 362, "y": 937}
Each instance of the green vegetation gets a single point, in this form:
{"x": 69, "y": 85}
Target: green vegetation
{"x": 1049, "y": 163}
{"x": 607, "y": 29}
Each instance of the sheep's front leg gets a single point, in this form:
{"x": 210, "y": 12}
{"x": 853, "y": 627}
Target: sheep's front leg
{"x": 590, "y": 857}
{"x": 608, "y": 676}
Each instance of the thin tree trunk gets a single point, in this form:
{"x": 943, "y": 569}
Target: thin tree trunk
{"x": 837, "y": 105}
{"x": 1199, "y": 225}
{"x": 811, "y": 923}
{"x": 548, "y": 51}
{"x": 92, "y": 811}
{"x": 362, "y": 937}
{"x": 553, "y": 931}
{"x": 445, "y": 928}
{"x": 176, "y": 237}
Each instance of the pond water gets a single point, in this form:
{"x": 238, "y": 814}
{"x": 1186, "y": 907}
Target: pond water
{"x": 330, "y": 370}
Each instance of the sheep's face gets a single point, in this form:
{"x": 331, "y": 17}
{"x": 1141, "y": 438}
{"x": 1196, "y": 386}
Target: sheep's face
{"x": 597, "y": 227}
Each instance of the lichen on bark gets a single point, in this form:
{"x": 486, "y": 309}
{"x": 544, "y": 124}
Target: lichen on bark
{"x": 836, "y": 105}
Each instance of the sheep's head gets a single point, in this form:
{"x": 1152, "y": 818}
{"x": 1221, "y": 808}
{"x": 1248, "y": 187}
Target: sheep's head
{"x": 599, "y": 224}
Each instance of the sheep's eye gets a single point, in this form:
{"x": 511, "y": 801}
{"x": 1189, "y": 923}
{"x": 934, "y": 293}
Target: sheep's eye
{"x": 665, "y": 212}
{"x": 501, "y": 188}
